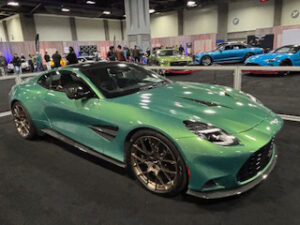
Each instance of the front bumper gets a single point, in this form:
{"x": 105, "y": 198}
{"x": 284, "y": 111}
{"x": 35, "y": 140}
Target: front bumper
{"x": 241, "y": 189}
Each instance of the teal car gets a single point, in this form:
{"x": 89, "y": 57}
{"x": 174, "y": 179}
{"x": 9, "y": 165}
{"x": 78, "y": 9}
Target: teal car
{"x": 206, "y": 140}
{"x": 234, "y": 52}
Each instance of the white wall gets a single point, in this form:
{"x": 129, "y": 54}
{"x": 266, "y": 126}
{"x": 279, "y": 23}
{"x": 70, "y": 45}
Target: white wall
{"x": 288, "y": 6}
{"x": 2, "y": 32}
{"x": 90, "y": 29}
{"x": 252, "y": 15}
{"x": 114, "y": 29}
{"x": 200, "y": 21}
{"x": 14, "y": 28}
{"x": 164, "y": 25}
{"x": 53, "y": 27}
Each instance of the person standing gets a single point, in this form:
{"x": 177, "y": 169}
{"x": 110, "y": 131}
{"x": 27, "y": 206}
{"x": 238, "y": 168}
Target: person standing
{"x": 71, "y": 57}
{"x": 120, "y": 54}
{"x": 39, "y": 62}
{"x": 111, "y": 55}
{"x": 47, "y": 60}
{"x": 181, "y": 49}
{"x": 3, "y": 64}
{"x": 56, "y": 57}
{"x": 16, "y": 61}
{"x": 136, "y": 54}
{"x": 30, "y": 62}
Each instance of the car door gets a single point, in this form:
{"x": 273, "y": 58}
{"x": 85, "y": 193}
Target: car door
{"x": 296, "y": 58}
{"x": 77, "y": 119}
{"x": 224, "y": 54}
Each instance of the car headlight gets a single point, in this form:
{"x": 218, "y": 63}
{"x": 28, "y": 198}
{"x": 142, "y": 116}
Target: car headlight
{"x": 211, "y": 133}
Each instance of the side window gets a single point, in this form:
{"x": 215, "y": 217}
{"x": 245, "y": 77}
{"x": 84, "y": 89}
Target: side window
{"x": 228, "y": 47}
{"x": 46, "y": 80}
{"x": 69, "y": 79}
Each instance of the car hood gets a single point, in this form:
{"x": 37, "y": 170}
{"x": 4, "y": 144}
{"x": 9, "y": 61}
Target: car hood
{"x": 220, "y": 106}
{"x": 269, "y": 56}
{"x": 175, "y": 58}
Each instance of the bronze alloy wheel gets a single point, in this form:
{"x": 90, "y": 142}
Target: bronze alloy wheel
{"x": 156, "y": 165}
{"x": 22, "y": 121}
{"x": 206, "y": 60}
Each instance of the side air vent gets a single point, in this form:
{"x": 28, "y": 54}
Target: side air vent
{"x": 209, "y": 104}
{"x": 107, "y": 132}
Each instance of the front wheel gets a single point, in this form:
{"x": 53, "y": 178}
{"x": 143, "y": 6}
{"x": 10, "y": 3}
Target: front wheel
{"x": 206, "y": 60}
{"x": 23, "y": 122}
{"x": 285, "y": 63}
{"x": 156, "y": 163}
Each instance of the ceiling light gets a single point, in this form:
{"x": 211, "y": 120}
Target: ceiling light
{"x": 91, "y": 2}
{"x": 191, "y": 4}
{"x": 151, "y": 10}
{"x": 124, "y": 15}
{"x": 65, "y": 9}
{"x": 13, "y": 3}
{"x": 106, "y": 12}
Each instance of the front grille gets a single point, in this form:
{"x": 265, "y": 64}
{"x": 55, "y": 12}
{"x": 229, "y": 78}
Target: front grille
{"x": 180, "y": 63}
{"x": 256, "y": 163}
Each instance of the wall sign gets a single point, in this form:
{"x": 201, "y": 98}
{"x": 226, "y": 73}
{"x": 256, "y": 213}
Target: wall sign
{"x": 235, "y": 21}
{"x": 295, "y": 14}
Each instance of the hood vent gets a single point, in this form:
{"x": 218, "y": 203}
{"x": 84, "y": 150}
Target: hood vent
{"x": 209, "y": 104}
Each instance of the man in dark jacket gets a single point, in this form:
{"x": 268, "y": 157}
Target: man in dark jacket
{"x": 16, "y": 61}
{"x": 47, "y": 59}
{"x": 71, "y": 57}
{"x": 3, "y": 64}
{"x": 56, "y": 57}
{"x": 136, "y": 54}
{"x": 111, "y": 55}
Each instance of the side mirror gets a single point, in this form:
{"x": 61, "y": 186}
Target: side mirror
{"x": 77, "y": 92}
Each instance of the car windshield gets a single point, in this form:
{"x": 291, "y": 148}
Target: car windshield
{"x": 121, "y": 79}
{"x": 170, "y": 52}
{"x": 287, "y": 49}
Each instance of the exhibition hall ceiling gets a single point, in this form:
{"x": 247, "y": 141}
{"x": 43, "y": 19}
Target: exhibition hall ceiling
{"x": 88, "y": 8}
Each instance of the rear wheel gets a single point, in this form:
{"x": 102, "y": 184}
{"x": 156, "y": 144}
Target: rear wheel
{"x": 23, "y": 122}
{"x": 156, "y": 163}
{"x": 206, "y": 60}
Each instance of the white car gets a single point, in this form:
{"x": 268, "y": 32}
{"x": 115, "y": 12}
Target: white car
{"x": 24, "y": 65}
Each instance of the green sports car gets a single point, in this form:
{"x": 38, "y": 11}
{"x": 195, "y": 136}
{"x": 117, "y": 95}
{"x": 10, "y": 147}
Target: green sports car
{"x": 207, "y": 140}
{"x": 170, "y": 57}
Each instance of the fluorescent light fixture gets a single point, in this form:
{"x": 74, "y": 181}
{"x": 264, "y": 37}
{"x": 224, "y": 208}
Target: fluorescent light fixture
{"x": 124, "y": 15}
{"x": 91, "y": 2}
{"x": 13, "y": 3}
{"x": 151, "y": 10}
{"x": 191, "y": 4}
{"x": 65, "y": 9}
{"x": 106, "y": 12}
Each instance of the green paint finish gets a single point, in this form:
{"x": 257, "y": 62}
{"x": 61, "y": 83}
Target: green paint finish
{"x": 162, "y": 109}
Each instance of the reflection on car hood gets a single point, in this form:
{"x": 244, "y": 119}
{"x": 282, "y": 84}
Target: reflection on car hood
{"x": 221, "y": 106}
{"x": 269, "y": 56}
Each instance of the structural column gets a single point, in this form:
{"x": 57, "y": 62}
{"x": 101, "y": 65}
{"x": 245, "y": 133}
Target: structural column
{"x": 73, "y": 29}
{"x": 28, "y": 27}
{"x": 222, "y": 21}
{"x": 180, "y": 22}
{"x": 138, "y": 23}
{"x": 277, "y": 12}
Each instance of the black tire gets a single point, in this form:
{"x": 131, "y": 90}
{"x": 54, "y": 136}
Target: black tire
{"x": 206, "y": 60}
{"x": 285, "y": 63}
{"x": 248, "y": 55}
{"x": 166, "y": 172}
{"x": 23, "y": 122}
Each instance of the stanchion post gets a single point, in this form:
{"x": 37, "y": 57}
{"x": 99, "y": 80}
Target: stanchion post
{"x": 237, "y": 78}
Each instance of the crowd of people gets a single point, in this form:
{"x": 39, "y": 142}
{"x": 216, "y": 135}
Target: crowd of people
{"x": 136, "y": 54}
{"x": 35, "y": 61}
